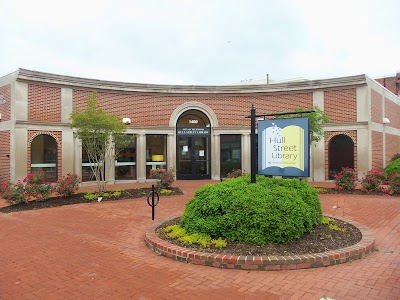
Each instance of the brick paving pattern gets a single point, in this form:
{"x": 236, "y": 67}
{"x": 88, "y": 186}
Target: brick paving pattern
{"x": 97, "y": 251}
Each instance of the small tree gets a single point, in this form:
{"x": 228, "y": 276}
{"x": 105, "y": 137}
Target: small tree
{"x": 102, "y": 137}
{"x": 317, "y": 118}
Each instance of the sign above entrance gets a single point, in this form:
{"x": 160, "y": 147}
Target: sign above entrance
{"x": 193, "y": 131}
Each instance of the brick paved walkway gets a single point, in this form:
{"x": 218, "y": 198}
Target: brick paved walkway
{"x": 96, "y": 251}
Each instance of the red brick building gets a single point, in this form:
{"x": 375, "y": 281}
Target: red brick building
{"x": 364, "y": 131}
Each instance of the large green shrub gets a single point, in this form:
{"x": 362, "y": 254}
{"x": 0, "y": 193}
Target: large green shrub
{"x": 393, "y": 167}
{"x": 394, "y": 157}
{"x": 394, "y": 183}
{"x": 269, "y": 211}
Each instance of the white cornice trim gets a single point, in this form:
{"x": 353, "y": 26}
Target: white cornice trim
{"x": 42, "y": 123}
{"x": 5, "y": 125}
{"x": 373, "y": 84}
{"x": 9, "y": 78}
{"x": 69, "y": 81}
{"x": 171, "y": 129}
{"x": 344, "y": 126}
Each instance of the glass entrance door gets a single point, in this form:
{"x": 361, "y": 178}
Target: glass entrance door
{"x": 193, "y": 156}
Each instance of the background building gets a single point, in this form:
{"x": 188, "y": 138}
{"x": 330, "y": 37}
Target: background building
{"x": 200, "y": 131}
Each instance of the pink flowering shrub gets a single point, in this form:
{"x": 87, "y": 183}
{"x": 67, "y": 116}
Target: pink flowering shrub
{"x": 36, "y": 187}
{"x": 373, "y": 181}
{"x": 164, "y": 177}
{"x": 34, "y": 178}
{"x": 67, "y": 185}
{"x": 394, "y": 183}
{"x": 346, "y": 179}
{"x": 14, "y": 193}
{"x": 236, "y": 173}
{"x": 41, "y": 192}
{"x": 33, "y": 187}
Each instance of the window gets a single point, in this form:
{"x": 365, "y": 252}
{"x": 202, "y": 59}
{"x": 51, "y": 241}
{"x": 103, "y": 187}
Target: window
{"x": 193, "y": 118}
{"x": 231, "y": 153}
{"x": 44, "y": 156}
{"x": 156, "y": 152}
{"x": 87, "y": 171}
{"x": 125, "y": 165}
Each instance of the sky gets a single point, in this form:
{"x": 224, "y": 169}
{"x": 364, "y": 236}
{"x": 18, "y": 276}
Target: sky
{"x": 207, "y": 42}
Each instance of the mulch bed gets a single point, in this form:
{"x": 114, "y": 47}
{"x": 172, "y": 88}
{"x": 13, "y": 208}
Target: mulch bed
{"x": 79, "y": 198}
{"x": 135, "y": 193}
{"x": 321, "y": 239}
{"x": 353, "y": 192}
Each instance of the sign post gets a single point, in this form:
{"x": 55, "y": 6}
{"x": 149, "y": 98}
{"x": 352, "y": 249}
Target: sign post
{"x": 253, "y": 144}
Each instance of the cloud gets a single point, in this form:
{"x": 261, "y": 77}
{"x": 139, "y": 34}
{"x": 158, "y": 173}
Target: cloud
{"x": 200, "y": 42}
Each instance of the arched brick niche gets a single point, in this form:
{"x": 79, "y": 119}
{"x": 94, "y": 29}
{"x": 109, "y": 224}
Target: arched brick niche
{"x": 352, "y": 134}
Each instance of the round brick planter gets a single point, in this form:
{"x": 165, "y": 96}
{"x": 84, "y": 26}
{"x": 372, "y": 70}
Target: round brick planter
{"x": 262, "y": 263}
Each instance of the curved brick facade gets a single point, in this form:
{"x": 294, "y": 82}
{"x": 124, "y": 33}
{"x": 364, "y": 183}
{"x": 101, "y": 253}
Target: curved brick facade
{"x": 41, "y": 102}
{"x": 155, "y": 110}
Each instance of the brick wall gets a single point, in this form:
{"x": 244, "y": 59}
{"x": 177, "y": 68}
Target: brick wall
{"x": 390, "y": 83}
{"x": 377, "y": 142}
{"x": 392, "y": 112}
{"x": 341, "y": 105}
{"x": 376, "y": 107}
{"x": 44, "y": 103}
{"x": 392, "y": 146}
{"x": 329, "y": 135}
{"x": 5, "y": 109}
{"x": 4, "y": 160}
{"x": 57, "y": 136}
{"x": 156, "y": 110}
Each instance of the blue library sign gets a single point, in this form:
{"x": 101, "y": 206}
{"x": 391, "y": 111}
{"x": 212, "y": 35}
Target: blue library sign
{"x": 284, "y": 147}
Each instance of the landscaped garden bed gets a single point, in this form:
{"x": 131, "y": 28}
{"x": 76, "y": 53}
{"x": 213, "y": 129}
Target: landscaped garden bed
{"x": 34, "y": 193}
{"x": 265, "y": 260}
{"x": 322, "y": 238}
{"x": 243, "y": 225}
{"x": 80, "y": 198}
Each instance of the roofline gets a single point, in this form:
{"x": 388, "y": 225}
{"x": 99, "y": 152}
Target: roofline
{"x": 35, "y": 76}
{"x": 385, "y": 91}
